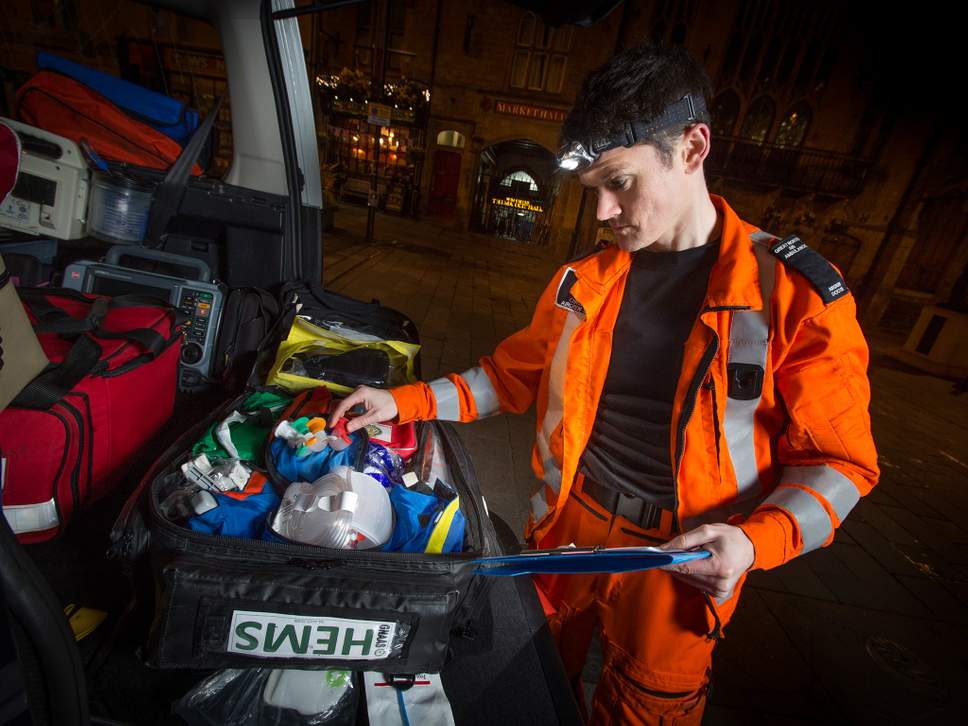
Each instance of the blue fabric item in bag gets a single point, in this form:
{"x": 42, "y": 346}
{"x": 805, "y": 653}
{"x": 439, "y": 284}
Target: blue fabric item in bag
{"x": 314, "y": 464}
{"x": 237, "y": 517}
{"x": 171, "y": 117}
{"x": 417, "y": 515}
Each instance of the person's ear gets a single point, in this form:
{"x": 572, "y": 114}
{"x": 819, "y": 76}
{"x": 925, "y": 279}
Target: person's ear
{"x": 695, "y": 147}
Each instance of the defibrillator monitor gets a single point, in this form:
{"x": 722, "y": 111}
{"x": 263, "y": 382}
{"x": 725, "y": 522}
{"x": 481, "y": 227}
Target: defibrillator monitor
{"x": 200, "y": 303}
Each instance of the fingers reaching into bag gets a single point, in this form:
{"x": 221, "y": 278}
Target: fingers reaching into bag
{"x": 378, "y": 406}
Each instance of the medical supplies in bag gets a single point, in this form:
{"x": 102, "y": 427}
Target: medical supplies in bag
{"x": 260, "y": 696}
{"x": 344, "y": 509}
{"x": 401, "y": 439}
{"x": 242, "y": 433}
{"x": 357, "y": 367}
{"x": 224, "y": 601}
{"x": 313, "y": 356}
{"x": 425, "y": 522}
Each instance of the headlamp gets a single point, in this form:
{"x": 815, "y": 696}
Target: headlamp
{"x": 577, "y": 155}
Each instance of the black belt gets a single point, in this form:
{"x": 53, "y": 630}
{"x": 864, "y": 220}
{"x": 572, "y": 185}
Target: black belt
{"x": 635, "y": 509}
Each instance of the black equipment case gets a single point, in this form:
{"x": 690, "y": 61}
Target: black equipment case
{"x": 225, "y": 602}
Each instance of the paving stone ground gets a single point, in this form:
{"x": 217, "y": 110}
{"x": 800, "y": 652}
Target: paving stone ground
{"x": 873, "y": 629}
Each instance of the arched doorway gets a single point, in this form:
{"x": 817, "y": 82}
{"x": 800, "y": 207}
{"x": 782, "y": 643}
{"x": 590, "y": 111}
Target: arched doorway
{"x": 516, "y": 187}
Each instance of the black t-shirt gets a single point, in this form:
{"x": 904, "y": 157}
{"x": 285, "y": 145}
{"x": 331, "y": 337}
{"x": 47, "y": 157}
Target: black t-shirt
{"x": 628, "y": 450}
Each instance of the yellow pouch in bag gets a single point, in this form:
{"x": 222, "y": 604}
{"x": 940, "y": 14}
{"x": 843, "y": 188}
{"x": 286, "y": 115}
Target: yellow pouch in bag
{"x": 305, "y": 337}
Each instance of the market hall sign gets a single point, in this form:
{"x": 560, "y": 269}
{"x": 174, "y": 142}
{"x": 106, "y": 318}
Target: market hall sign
{"x": 524, "y": 204}
{"x": 526, "y": 110}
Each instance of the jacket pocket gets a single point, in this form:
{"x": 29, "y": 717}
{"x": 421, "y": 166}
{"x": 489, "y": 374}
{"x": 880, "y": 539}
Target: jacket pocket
{"x": 711, "y": 430}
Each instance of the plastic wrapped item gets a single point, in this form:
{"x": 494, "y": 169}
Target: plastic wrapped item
{"x": 401, "y": 439}
{"x": 119, "y": 207}
{"x": 383, "y": 465}
{"x": 405, "y": 700}
{"x": 186, "y": 502}
{"x": 223, "y": 476}
{"x": 307, "y": 340}
{"x": 357, "y": 367}
{"x": 430, "y": 463}
{"x": 344, "y": 509}
{"x": 261, "y": 696}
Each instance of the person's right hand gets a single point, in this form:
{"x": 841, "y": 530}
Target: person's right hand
{"x": 378, "y": 404}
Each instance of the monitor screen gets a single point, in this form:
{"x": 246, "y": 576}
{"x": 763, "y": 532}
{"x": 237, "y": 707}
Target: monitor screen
{"x": 104, "y": 285}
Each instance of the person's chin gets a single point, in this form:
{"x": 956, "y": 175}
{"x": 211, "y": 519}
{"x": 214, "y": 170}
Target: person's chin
{"x": 627, "y": 238}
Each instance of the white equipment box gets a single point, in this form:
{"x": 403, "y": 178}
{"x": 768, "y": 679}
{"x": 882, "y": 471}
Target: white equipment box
{"x": 50, "y": 197}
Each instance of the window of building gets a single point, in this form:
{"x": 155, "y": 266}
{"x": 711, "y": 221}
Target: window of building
{"x": 540, "y": 56}
{"x": 451, "y": 138}
{"x": 793, "y": 127}
{"x": 724, "y": 112}
{"x": 759, "y": 120}
{"x": 520, "y": 176}
{"x": 364, "y": 35}
{"x": 786, "y": 49}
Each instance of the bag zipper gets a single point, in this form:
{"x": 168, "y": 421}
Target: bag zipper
{"x": 75, "y": 475}
{"x": 60, "y": 468}
{"x": 711, "y": 387}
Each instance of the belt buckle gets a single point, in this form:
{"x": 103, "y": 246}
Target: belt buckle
{"x": 638, "y": 511}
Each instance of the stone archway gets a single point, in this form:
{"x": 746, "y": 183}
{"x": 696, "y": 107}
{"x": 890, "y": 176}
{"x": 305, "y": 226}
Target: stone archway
{"x": 516, "y": 187}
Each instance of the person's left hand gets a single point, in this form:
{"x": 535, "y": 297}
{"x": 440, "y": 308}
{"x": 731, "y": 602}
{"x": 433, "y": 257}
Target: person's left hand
{"x": 731, "y": 555}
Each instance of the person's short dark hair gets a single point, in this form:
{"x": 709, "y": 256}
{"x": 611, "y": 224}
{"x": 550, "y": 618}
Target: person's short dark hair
{"x": 637, "y": 84}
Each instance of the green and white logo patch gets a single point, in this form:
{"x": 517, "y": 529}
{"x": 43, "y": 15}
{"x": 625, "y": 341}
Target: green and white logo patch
{"x": 282, "y": 635}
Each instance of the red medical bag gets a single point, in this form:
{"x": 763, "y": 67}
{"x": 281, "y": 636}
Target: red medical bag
{"x": 71, "y": 434}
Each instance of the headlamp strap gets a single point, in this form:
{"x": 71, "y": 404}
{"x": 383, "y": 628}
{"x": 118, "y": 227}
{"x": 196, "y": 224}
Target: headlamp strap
{"x": 683, "y": 112}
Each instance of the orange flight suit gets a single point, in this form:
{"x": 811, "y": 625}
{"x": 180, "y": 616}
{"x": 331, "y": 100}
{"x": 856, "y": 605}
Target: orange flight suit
{"x": 770, "y": 431}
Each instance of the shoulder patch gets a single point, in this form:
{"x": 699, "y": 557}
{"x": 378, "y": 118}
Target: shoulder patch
{"x": 822, "y": 275}
{"x": 564, "y": 299}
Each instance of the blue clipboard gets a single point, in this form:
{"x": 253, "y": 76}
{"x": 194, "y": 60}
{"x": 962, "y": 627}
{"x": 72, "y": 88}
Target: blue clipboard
{"x": 576, "y": 561}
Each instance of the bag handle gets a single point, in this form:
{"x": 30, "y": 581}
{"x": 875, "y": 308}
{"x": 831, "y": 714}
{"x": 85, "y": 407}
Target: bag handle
{"x": 85, "y": 354}
{"x": 57, "y": 381}
{"x": 53, "y": 319}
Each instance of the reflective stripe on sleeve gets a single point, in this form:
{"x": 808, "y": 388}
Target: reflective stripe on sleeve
{"x": 829, "y": 483}
{"x": 556, "y": 403}
{"x": 812, "y": 519}
{"x": 448, "y": 402}
{"x": 485, "y": 397}
{"x": 539, "y": 505}
{"x": 749, "y": 334}
{"x": 552, "y": 475}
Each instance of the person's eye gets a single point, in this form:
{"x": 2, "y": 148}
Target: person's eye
{"x": 618, "y": 183}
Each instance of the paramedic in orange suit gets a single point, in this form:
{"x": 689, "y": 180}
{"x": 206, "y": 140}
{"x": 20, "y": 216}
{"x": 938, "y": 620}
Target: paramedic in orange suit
{"x": 700, "y": 383}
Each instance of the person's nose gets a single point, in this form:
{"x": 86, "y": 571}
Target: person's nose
{"x": 608, "y": 206}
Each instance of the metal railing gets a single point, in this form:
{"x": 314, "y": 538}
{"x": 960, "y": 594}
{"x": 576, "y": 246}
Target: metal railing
{"x": 799, "y": 169}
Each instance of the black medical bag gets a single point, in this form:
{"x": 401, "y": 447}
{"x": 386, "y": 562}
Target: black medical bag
{"x": 248, "y": 317}
{"x": 225, "y": 602}
{"x": 331, "y": 310}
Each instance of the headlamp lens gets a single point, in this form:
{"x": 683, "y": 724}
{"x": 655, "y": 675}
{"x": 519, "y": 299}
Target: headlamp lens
{"x": 574, "y": 156}
{"x": 568, "y": 163}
